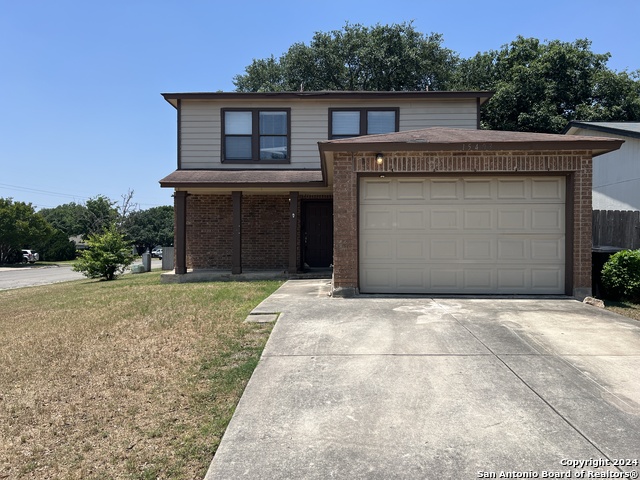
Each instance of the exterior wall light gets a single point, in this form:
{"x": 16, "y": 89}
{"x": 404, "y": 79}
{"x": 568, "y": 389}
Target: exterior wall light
{"x": 379, "y": 158}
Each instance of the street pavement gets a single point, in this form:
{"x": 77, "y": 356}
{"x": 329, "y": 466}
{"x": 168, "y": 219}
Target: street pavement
{"x": 378, "y": 387}
{"x": 31, "y": 276}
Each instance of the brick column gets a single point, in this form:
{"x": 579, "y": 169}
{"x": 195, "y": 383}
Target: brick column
{"x": 236, "y": 242}
{"x": 180, "y": 212}
{"x": 582, "y": 234}
{"x": 345, "y": 226}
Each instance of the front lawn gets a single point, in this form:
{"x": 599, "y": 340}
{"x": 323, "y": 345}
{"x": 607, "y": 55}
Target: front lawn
{"x": 628, "y": 309}
{"x": 123, "y": 379}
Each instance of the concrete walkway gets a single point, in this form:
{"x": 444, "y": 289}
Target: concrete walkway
{"x": 441, "y": 388}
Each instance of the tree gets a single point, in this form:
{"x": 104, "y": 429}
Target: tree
{"x": 67, "y": 218}
{"x": 148, "y": 228}
{"x": 540, "y": 87}
{"x": 20, "y": 227}
{"x": 109, "y": 254}
{"x": 382, "y": 57}
{"x": 100, "y": 214}
{"x": 56, "y": 247}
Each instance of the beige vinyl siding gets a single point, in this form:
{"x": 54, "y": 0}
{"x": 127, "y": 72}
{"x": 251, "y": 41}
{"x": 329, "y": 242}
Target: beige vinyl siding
{"x": 201, "y": 127}
{"x": 449, "y": 114}
{"x": 200, "y": 136}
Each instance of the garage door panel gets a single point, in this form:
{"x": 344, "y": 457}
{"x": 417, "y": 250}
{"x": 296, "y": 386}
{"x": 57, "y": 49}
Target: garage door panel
{"x": 413, "y": 250}
{"x": 442, "y": 279}
{"x": 380, "y": 279}
{"x": 378, "y": 249}
{"x": 463, "y": 235}
{"x": 511, "y": 189}
{"x": 410, "y": 218}
{"x": 477, "y": 249}
{"x": 543, "y": 279}
{"x": 411, "y": 190}
{"x": 547, "y": 189}
{"x": 478, "y": 189}
{"x": 547, "y": 219}
{"x": 443, "y": 249}
{"x": 444, "y": 218}
{"x": 380, "y": 190}
{"x": 478, "y": 218}
{"x": 479, "y": 279}
{"x": 513, "y": 249}
{"x": 513, "y": 219}
{"x": 377, "y": 218}
{"x": 444, "y": 189}
{"x": 410, "y": 278}
{"x": 551, "y": 249}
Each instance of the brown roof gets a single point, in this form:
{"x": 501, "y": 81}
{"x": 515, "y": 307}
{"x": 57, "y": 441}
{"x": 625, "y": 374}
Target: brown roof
{"x": 239, "y": 178}
{"x": 448, "y": 139}
{"x": 172, "y": 98}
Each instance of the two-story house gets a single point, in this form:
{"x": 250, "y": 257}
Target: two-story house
{"x": 398, "y": 191}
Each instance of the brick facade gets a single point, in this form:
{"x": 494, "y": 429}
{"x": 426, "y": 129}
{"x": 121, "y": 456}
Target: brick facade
{"x": 576, "y": 165}
{"x": 265, "y": 231}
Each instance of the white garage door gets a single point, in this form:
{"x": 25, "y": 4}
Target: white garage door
{"x": 462, "y": 235}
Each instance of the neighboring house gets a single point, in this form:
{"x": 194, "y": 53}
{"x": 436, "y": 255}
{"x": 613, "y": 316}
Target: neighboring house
{"x": 399, "y": 192}
{"x": 616, "y": 175}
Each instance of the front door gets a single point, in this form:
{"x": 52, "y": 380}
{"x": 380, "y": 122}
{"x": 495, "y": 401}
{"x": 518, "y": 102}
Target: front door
{"x": 317, "y": 234}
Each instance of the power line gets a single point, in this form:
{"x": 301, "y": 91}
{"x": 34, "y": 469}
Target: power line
{"x": 36, "y": 190}
{"x": 65, "y": 195}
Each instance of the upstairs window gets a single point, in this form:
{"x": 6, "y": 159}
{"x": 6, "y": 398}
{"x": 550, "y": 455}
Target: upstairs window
{"x": 256, "y": 135}
{"x": 354, "y": 122}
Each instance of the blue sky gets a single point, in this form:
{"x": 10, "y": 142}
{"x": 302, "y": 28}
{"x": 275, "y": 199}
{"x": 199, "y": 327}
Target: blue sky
{"x": 80, "y": 83}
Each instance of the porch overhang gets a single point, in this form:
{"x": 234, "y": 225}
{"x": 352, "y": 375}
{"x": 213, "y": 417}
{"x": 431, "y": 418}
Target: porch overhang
{"x": 243, "y": 179}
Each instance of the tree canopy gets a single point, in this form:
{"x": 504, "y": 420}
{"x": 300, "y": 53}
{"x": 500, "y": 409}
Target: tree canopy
{"x": 48, "y": 231}
{"x": 151, "y": 227}
{"x": 539, "y": 86}
{"x": 67, "y": 218}
{"x": 382, "y": 57}
{"x": 20, "y": 227}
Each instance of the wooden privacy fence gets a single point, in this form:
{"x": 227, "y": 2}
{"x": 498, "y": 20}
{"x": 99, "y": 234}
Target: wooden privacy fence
{"x": 616, "y": 228}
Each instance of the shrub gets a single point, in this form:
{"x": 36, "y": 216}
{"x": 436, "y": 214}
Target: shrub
{"x": 109, "y": 254}
{"x": 621, "y": 275}
{"x": 57, "y": 247}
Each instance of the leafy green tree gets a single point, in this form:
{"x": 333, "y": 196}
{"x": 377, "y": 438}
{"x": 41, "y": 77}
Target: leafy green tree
{"x": 68, "y": 218}
{"x": 56, "y": 247}
{"x": 20, "y": 227}
{"x": 382, "y": 57}
{"x": 616, "y": 97}
{"x": 109, "y": 254}
{"x": 151, "y": 227}
{"x": 541, "y": 86}
{"x": 100, "y": 213}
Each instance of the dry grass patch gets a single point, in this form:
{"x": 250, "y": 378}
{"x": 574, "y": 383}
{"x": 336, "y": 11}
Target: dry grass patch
{"x": 125, "y": 379}
{"x": 627, "y": 309}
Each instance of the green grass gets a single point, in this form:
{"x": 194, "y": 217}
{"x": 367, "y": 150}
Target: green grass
{"x": 124, "y": 379}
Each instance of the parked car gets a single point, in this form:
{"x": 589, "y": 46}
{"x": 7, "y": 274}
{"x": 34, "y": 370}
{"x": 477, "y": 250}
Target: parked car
{"x": 156, "y": 252}
{"x": 29, "y": 256}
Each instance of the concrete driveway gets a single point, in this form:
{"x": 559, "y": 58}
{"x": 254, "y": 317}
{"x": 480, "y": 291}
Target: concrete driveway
{"x": 442, "y": 388}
